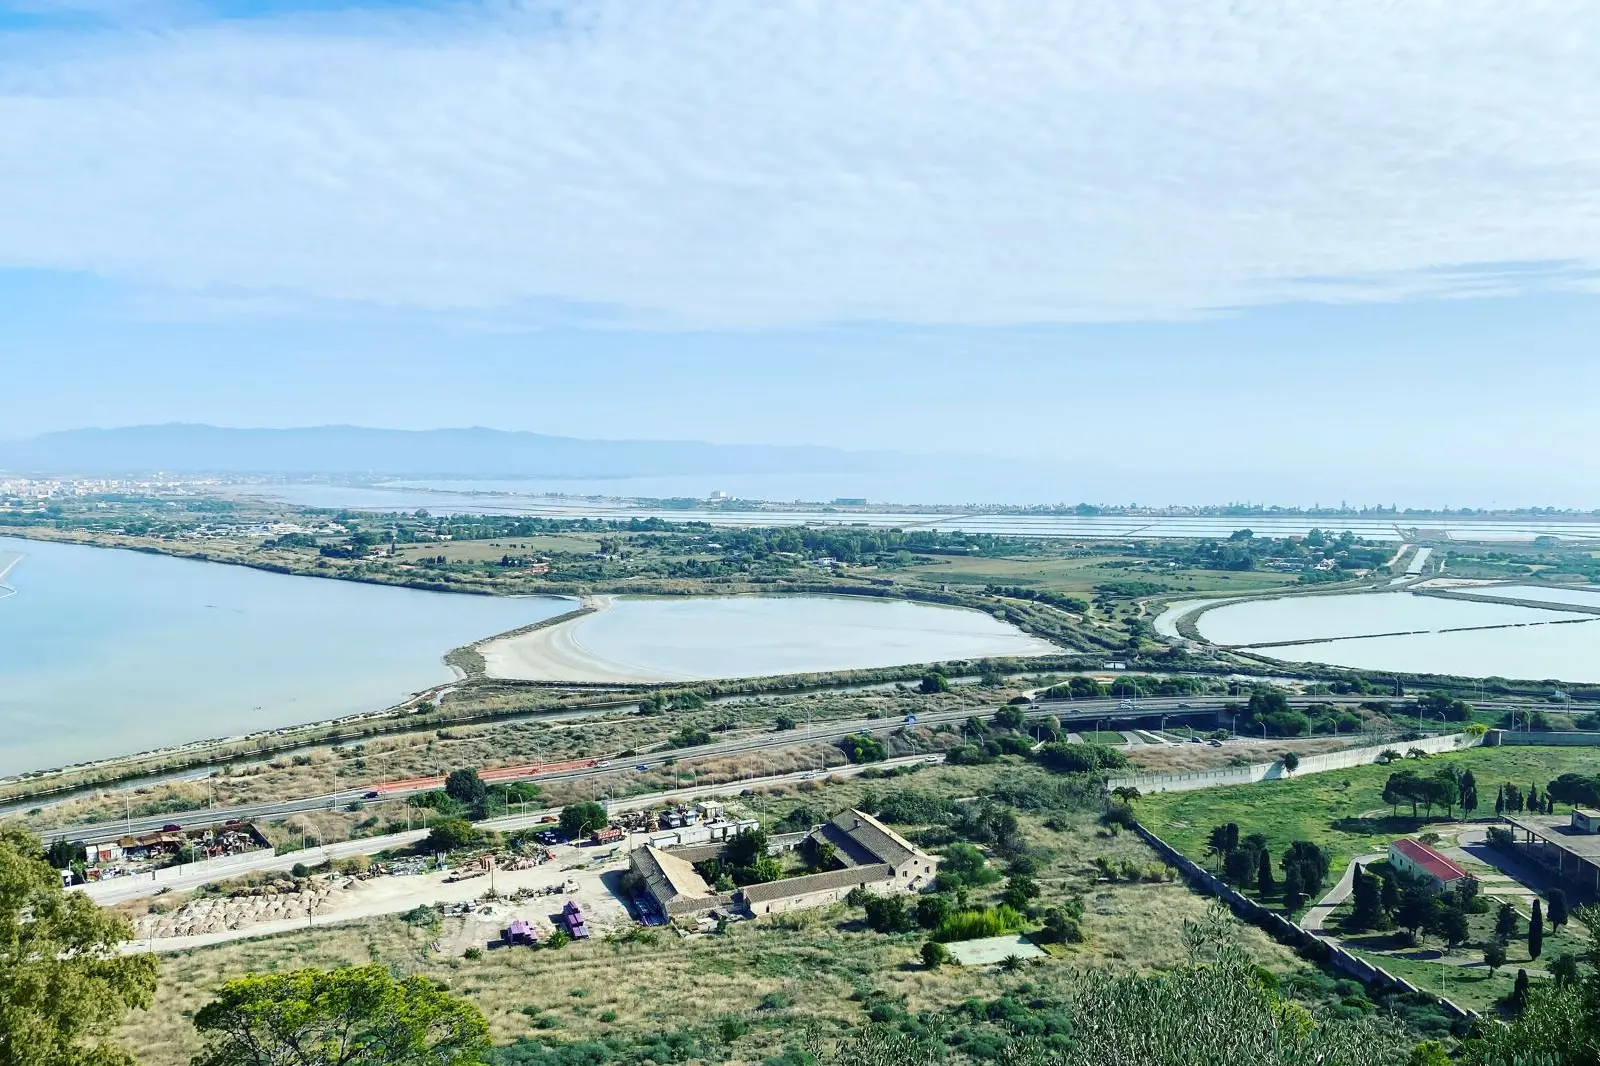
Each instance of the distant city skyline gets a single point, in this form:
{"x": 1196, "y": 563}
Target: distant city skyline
{"x": 1295, "y": 254}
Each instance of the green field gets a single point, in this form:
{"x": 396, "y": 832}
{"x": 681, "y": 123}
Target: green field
{"x": 1082, "y": 574}
{"x": 1336, "y": 809}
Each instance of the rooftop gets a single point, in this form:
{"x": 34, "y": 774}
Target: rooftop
{"x": 1559, "y": 833}
{"x": 676, "y": 876}
{"x": 862, "y": 840}
{"x": 1429, "y": 859}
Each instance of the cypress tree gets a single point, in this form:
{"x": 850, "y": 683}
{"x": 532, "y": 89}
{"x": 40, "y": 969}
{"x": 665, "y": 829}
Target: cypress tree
{"x": 1558, "y": 908}
{"x": 1506, "y": 924}
{"x": 1294, "y": 892}
{"x": 1368, "y": 898}
{"x": 1500, "y": 800}
{"x": 1536, "y": 932}
{"x": 1264, "y": 882}
{"x": 1519, "y": 993}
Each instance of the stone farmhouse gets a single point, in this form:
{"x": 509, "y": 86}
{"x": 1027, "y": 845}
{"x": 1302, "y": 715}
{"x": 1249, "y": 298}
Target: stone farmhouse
{"x": 871, "y": 856}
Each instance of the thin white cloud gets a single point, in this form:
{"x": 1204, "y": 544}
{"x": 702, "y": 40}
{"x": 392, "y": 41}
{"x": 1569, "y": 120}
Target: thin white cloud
{"x": 717, "y": 162}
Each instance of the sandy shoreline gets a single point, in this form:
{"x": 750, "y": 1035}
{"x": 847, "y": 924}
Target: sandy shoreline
{"x": 558, "y": 653}
{"x": 554, "y": 653}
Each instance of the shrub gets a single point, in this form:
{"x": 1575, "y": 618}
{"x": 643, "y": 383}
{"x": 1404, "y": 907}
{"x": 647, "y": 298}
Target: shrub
{"x": 1080, "y": 758}
{"x": 579, "y": 819}
{"x": 1061, "y": 928}
{"x": 979, "y": 923}
{"x": 863, "y": 747}
{"x": 934, "y": 954}
{"x": 451, "y": 834}
{"x": 887, "y": 914}
{"x": 964, "y": 864}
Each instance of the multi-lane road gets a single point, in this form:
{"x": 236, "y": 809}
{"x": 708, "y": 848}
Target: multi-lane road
{"x": 1069, "y": 712}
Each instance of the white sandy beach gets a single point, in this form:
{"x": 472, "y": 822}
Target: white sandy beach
{"x": 692, "y": 639}
{"x": 554, "y": 653}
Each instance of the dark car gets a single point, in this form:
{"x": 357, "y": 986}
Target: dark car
{"x": 642, "y": 767}
{"x": 172, "y": 828}
{"x": 371, "y": 795}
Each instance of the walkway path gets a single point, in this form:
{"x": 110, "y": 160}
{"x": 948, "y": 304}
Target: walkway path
{"x": 1313, "y": 920}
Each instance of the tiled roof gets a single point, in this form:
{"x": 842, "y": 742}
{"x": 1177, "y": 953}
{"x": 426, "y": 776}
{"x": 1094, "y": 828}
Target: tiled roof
{"x": 669, "y": 876}
{"x": 1428, "y": 859}
{"x": 871, "y": 839}
{"x": 808, "y": 883}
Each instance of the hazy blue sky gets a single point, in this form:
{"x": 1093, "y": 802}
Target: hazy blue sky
{"x": 1300, "y": 250}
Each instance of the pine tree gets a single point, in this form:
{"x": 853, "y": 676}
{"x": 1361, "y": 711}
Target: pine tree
{"x": 1558, "y": 908}
{"x": 1469, "y": 793}
{"x": 1536, "y": 932}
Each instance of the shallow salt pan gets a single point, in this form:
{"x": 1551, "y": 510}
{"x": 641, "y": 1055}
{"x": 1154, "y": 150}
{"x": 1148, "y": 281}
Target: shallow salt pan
{"x": 752, "y": 636}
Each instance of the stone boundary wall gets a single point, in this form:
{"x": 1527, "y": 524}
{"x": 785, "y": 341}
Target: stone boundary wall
{"x": 1274, "y": 771}
{"x": 1284, "y": 931}
{"x": 1543, "y": 740}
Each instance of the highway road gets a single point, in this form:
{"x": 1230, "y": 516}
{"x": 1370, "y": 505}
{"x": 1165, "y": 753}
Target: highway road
{"x": 1068, "y": 711}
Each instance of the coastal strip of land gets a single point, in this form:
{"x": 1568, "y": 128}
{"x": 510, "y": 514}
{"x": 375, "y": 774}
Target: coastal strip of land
{"x": 551, "y": 651}
{"x": 8, "y": 563}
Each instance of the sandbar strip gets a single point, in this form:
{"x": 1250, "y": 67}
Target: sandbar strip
{"x": 554, "y": 653}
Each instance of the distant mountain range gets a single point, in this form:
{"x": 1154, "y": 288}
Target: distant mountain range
{"x": 466, "y": 453}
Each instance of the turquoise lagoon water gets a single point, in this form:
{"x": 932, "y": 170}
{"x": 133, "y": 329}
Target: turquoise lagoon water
{"x": 106, "y": 652}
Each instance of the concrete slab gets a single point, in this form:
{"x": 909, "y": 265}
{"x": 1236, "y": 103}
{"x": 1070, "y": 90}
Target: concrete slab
{"x": 992, "y": 950}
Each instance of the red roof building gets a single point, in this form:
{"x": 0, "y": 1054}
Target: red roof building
{"x": 1418, "y": 860}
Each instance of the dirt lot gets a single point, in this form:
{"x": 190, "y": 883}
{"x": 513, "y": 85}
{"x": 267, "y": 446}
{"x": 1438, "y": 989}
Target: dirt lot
{"x": 583, "y": 875}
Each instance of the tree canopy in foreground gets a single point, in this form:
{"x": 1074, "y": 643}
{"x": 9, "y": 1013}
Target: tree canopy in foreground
{"x": 357, "y": 1016}
{"x": 64, "y": 984}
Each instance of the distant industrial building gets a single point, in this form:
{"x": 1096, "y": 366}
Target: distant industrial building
{"x": 1418, "y": 860}
{"x": 870, "y": 856}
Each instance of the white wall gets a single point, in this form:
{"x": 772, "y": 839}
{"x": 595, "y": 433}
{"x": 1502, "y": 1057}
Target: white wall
{"x": 1273, "y": 771}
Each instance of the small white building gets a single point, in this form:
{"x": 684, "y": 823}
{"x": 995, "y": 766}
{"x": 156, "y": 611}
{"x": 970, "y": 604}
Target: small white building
{"x": 1418, "y": 860}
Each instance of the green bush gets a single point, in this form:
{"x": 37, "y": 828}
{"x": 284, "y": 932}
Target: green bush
{"x": 979, "y": 923}
{"x": 863, "y": 747}
{"x": 1080, "y": 758}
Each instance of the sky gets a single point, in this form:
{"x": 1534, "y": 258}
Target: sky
{"x": 1225, "y": 249}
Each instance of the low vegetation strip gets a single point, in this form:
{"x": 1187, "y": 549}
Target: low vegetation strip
{"x": 1275, "y": 771}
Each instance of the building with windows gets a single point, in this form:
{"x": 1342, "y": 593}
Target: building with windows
{"x": 1423, "y": 863}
